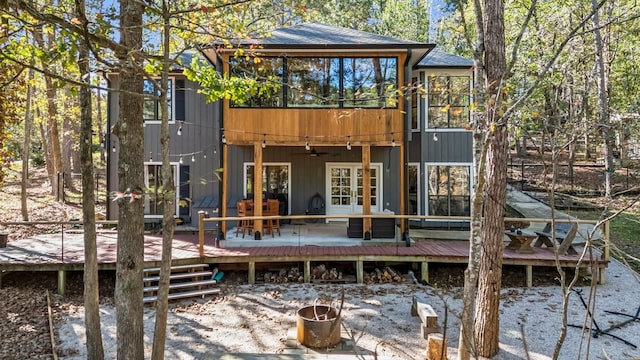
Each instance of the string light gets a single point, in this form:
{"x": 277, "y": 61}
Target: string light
{"x": 435, "y": 136}
{"x": 113, "y": 148}
{"x": 348, "y": 143}
{"x": 180, "y": 128}
{"x": 306, "y": 144}
{"x": 150, "y": 156}
{"x": 264, "y": 141}
{"x": 393, "y": 141}
{"x": 204, "y": 153}
{"x": 181, "y": 161}
{"x": 193, "y": 158}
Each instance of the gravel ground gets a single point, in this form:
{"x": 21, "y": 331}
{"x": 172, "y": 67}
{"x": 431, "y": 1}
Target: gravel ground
{"x": 256, "y": 319}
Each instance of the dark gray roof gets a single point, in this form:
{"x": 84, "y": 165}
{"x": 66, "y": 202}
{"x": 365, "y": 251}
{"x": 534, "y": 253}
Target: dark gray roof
{"x": 438, "y": 58}
{"x": 319, "y": 36}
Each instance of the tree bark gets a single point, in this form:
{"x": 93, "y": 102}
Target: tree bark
{"x": 26, "y": 145}
{"x": 53, "y": 133}
{"x": 466, "y": 344}
{"x": 95, "y": 350}
{"x": 604, "y": 127}
{"x": 168, "y": 200}
{"x": 129, "y": 130}
{"x": 487, "y": 316}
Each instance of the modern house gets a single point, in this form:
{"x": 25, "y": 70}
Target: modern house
{"x": 351, "y": 123}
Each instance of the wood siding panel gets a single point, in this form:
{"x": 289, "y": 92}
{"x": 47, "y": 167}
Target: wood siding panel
{"x": 319, "y": 126}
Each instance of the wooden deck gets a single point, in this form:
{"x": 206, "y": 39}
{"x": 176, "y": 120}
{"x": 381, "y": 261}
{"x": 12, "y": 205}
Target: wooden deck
{"x": 65, "y": 252}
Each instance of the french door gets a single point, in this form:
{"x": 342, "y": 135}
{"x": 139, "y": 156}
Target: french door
{"x": 344, "y": 188}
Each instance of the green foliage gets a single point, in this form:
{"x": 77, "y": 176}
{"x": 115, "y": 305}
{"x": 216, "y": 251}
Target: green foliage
{"x": 216, "y": 86}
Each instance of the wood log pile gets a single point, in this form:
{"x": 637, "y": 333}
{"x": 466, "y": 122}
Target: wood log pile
{"x": 284, "y": 276}
{"x": 386, "y": 275}
{"x": 321, "y": 272}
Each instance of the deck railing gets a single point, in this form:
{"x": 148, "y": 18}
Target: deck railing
{"x": 603, "y": 227}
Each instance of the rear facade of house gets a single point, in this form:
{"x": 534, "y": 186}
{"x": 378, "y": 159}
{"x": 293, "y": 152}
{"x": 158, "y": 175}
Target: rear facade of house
{"x": 350, "y": 123}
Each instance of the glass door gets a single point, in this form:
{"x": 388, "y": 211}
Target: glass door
{"x": 345, "y": 191}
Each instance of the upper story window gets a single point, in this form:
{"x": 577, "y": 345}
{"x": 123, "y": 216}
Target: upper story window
{"x": 320, "y": 82}
{"x": 151, "y": 110}
{"x": 448, "y": 101}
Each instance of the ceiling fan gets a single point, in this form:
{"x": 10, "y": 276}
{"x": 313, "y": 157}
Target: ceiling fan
{"x": 315, "y": 153}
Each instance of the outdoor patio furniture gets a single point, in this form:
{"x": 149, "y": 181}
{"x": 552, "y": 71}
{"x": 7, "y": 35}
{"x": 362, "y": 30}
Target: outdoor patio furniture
{"x": 521, "y": 241}
{"x": 564, "y": 234}
{"x": 244, "y": 225}
{"x": 273, "y": 209}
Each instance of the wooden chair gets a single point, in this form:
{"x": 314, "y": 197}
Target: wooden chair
{"x": 273, "y": 209}
{"x": 244, "y": 225}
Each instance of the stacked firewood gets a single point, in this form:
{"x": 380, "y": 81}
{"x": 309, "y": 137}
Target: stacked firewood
{"x": 283, "y": 276}
{"x": 320, "y": 272}
{"x": 386, "y": 275}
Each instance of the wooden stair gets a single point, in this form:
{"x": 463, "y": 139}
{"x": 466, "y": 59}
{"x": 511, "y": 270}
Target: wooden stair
{"x": 185, "y": 281}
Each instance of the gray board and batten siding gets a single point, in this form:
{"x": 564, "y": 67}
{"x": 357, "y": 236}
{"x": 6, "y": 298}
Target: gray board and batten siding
{"x": 199, "y": 137}
{"x": 308, "y": 173}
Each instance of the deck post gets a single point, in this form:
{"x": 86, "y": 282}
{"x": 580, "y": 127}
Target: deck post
{"x": 201, "y": 232}
{"x": 424, "y": 271}
{"x": 307, "y": 271}
{"x": 62, "y": 281}
{"x": 359, "y": 271}
{"x": 366, "y": 189}
{"x": 252, "y": 273}
{"x": 528, "y": 270}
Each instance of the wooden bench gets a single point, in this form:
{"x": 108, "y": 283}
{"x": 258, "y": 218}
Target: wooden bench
{"x": 427, "y": 316}
{"x": 564, "y": 234}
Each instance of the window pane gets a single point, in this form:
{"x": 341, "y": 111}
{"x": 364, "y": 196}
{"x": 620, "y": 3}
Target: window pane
{"x": 448, "y": 99}
{"x": 313, "y": 82}
{"x": 448, "y": 190}
{"x": 153, "y": 182}
{"x": 413, "y": 189}
{"x": 370, "y": 82}
{"x": 267, "y": 72}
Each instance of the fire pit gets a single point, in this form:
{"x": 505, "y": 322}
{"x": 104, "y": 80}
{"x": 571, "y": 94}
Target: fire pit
{"x": 318, "y": 326}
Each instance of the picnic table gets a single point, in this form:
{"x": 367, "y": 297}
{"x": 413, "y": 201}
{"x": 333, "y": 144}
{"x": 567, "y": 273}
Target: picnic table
{"x": 520, "y": 241}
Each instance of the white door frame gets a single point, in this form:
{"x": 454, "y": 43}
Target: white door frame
{"x": 352, "y": 207}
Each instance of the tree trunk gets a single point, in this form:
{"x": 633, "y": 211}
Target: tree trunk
{"x": 605, "y": 128}
{"x": 487, "y": 325}
{"x": 53, "y": 135}
{"x": 129, "y": 130}
{"x": 26, "y": 145}
{"x": 95, "y": 350}
{"x": 168, "y": 200}
{"x": 103, "y": 156}
{"x": 466, "y": 344}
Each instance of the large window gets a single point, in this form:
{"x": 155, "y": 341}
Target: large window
{"x": 153, "y": 204}
{"x": 275, "y": 180}
{"x": 448, "y": 101}
{"x": 319, "y": 82}
{"x": 414, "y": 188}
{"x": 370, "y": 82}
{"x": 151, "y": 110}
{"x": 313, "y": 82}
{"x": 449, "y": 190}
{"x": 267, "y": 72}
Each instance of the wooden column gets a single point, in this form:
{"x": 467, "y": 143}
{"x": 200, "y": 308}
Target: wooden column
{"x": 403, "y": 203}
{"x": 225, "y": 188}
{"x": 366, "y": 188}
{"x": 257, "y": 188}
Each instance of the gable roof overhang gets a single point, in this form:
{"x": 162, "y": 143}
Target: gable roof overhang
{"x": 315, "y": 38}
{"x": 437, "y": 58}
